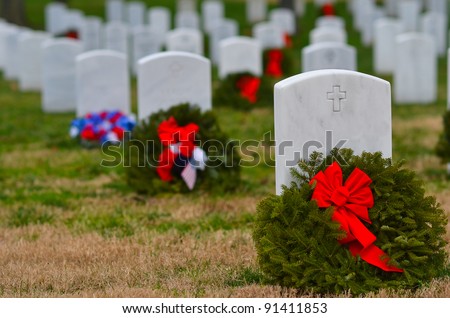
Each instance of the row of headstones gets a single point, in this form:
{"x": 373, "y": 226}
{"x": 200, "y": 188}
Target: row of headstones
{"x": 408, "y": 13}
{"x": 135, "y": 12}
{"x": 23, "y": 57}
{"x": 404, "y": 47}
{"x": 148, "y": 39}
{"x": 328, "y": 48}
{"x": 99, "y": 80}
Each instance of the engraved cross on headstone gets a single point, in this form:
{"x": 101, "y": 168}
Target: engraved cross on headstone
{"x": 336, "y": 96}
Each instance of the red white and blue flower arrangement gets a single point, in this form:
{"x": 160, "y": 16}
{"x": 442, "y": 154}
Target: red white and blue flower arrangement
{"x": 180, "y": 150}
{"x": 98, "y": 128}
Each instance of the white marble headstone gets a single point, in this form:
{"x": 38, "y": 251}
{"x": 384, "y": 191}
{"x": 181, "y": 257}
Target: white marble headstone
{"x": 435, "y": 24}
{"x": 328, "y": 55}
{"x": 136, "y": 13}
{"x": 186, "y": 5}
{"x": 269, "y": 35}
{"x": 30, "y": 58}
{"x": 58, "y": 74}
{"x": 187, "y": 19}
{"x": 102, "y": 82}
{"x": 159, "y": 19}
{"x": 116, "y": 37}
{"x": 212, "y": 13}
{"x": 299, "y": 7}
{"x": 385, "y": 33}
{"x": 320, "y": 110}
{"x": 391, "y": 7}
{"x": 327, "y": 34}
{"x": 54, "y": 17}
{"x": 360, "y": 11}
{"x": 238, "y": 55}
{"x": 115, "y": 11}
{"x": 285, "y": 18}
{"x": 322, "y": 2}
{"x": 145, "y": 41}
{"x": 368, "y": 30}
{"x": 437, "y": 6}
{"x": 331, "y": 22}
{"x": 11, "y": 67}
{"x": 225, "y": 29}
{"x": 3, "y": 32}
{"x": 256, "y": 10}
{"x": 185, "y": 40}
{"x": 74, "y": 20}
{"x": 409, "y": 13}
{"x": 415, "y": 75}
{"x": 91, "y": 34}
{"x": 171, "y": 78}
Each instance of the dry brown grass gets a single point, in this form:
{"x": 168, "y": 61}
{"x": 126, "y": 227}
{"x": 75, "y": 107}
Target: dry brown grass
{"x": 50, "y": 261}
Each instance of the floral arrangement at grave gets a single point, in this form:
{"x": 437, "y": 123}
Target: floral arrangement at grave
{"x": 96, "y": 128}
{"x": 351, "y": 223}
{"x": 71, "y": 34}
{"x": 328, "y": 9}
{"x": 278, "y": 63}
{"x": 443, "y": 145}
{"x": 243, "y": 91}
{"x": 181, "y": 150}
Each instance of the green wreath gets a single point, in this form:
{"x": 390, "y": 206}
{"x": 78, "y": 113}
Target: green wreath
{"x": 297, "y": 242}
{"x": 443, "y": 145}
{"x": 222, "y": 173}
{"x": 228, "y": 94}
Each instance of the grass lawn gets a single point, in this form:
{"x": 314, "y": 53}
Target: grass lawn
{"x": 72, "y": 228}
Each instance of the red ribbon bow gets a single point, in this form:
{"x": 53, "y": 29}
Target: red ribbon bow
{"x": 328, "y": 9}
{"x": 171, "y": 134}
{"x": 274, "y": 63}
{"x": 351, "y": 202}
{"x": 287, "y": 40}
{"x": 249, "y": 86}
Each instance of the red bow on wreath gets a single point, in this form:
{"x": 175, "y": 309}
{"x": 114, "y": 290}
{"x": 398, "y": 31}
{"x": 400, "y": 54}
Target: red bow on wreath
{"x": 287, "y": 40}
{"x": 275, "y": 57}
{"x": 328, "y": 9}
{"x": 177, "y": 140}
{"x": 351, "y": 202}
{"x": 249, "y": 86}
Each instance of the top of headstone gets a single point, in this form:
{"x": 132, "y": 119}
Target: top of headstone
{"x": 321, "y": 110}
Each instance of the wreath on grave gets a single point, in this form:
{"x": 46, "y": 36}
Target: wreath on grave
{"x": 443, "y": 145}
{"x": 243, "y": 91}
{"x": 180, "y": 150}
{"x": 359, "y": 224}
{"x": 96, "y": 128}
{"x": 277, "y": 63}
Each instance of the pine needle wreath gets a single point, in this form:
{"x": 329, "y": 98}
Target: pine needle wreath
{"x": 228, "y": 94}
{"x": 443, "y": 146}
{"x": 297, "y": 242}
{"x": 142, "y": 151}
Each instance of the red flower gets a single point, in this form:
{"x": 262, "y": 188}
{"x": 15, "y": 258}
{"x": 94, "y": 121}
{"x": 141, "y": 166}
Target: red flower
{"x": 119, "y": 132}
{"x": 88, "y": 133}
